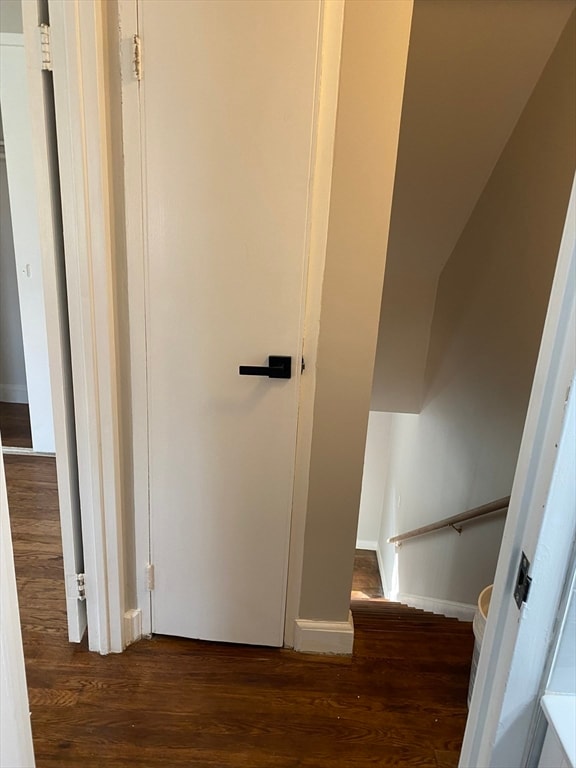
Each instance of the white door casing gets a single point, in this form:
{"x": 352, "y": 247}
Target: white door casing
{"x": 227, "y": 164}
{"x": 540, "y": 522}
{"x": 79, "y": 70}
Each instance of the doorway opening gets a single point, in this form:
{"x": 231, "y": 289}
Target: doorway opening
{"x": 485, "y": 164}
{"x": 28, "y": 448}
{"x": 36, "y": 418}
{"x": 14, "y": 406}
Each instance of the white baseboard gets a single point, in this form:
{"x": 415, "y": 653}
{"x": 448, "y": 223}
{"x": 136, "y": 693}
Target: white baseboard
{"x": 12, "y": 450}
{"x": 324, "y": 636}
{"x": 367, "y": 544}
{"x": 132, "y": 625}
{"x": 13, "y": 393}
{"x": 462, "y": 611}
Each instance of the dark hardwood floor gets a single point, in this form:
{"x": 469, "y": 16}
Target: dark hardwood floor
{"x": 15, "y": 425}
{"x": 366, "y": 583}
{"x": 400, "y": 700}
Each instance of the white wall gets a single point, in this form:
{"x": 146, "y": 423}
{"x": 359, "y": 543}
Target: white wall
{"x": 12, "y": 370}
{"x": 376, "y": 458}
{"x": 461, "y": 450}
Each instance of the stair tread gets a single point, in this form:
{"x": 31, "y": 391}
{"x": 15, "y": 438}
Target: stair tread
{"x": 398, "y": 618}
{"x": 389, "y": 609}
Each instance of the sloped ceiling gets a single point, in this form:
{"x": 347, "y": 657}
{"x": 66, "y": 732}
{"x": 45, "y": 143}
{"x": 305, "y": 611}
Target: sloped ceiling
{"x": 472, "y": 66}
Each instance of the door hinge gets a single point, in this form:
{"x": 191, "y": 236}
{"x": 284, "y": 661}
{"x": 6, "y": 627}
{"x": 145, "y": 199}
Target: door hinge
{"x": 149, "y": 577}
{"x": 137, "y": 57}
{"x": 567, "y": 398}
{"x": 523, "y": 582}
{"x": 45, "y": 47}
{"x": 76, "y": 586}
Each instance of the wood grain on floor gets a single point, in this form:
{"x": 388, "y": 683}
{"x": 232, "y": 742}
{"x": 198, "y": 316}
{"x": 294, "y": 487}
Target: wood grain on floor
{"x": 400, "y": 700}
{"x": 15, "y": 425}
{"x": 366, "y": 583}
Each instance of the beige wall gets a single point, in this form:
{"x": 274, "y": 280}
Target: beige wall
{"x": 461, "y": 450}
{"x": 373, "y": 66}
{"x": 472, "y": 66}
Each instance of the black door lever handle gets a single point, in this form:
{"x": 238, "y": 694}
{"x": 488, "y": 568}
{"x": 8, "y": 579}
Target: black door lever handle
{"x": 278, "y": 368}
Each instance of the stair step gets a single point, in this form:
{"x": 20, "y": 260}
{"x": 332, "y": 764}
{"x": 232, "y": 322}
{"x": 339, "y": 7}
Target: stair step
{"x": 402, "y": 617}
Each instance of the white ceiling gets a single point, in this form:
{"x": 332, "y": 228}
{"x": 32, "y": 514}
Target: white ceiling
{"x": 472, "y": 66}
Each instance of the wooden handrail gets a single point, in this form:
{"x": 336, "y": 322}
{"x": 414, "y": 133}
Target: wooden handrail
{"x": 451, "y": 522}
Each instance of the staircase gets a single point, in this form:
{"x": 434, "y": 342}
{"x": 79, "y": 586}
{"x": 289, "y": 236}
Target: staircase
{"x": 418, "y": 638}
{"x": 418, "y": 665}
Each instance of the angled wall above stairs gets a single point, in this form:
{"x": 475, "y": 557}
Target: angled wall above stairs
{"x": 461, "y": 450}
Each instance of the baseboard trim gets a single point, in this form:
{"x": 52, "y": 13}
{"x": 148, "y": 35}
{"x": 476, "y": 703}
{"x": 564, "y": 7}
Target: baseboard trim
{"x": 132, "y": 625}
{"x": 12, "y": 450}
{"x": 462, "y": 611}
{"x": 367, "y": 544}
{"x": 324, "y": 636}
{"x": 13, "y": 393}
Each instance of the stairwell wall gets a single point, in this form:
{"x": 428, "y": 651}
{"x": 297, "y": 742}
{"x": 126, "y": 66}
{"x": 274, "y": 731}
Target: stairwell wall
{"x": 461, "y": 450}
{"x": 374, "y": 55}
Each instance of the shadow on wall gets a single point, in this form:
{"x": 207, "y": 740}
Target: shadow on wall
{"x": 461, "y": 450}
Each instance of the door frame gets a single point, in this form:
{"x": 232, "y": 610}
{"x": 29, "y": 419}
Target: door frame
{"x": 540, "y": 522}
{"x": 136, "y": 251}
{"x": 326, "y": 98}
{"x": 79, "y": 76}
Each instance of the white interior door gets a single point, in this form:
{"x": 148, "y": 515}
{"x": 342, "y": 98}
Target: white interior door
{"x": 31, "y": 158}
{"x": 227, "y": 99}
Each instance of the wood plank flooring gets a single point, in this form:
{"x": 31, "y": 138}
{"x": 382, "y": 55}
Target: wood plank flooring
{"x": 15, "y": 425}
{"x": 366, "y": 583}
{"x": 400, "y": 700}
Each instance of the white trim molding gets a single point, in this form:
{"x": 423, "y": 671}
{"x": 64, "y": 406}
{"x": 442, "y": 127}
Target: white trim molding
{"x": 324, "y": 636}
{"x": 540, "y": 523}
{"x": 461, "y": 611}
{"x": 132, "y": 626}
{"x": 137, "y": 258}
{"x": 79, "y": 73}
{"x": 12, "y": 450}
{"x": 367, "y": 544}
{"x": 330, "y": 51}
